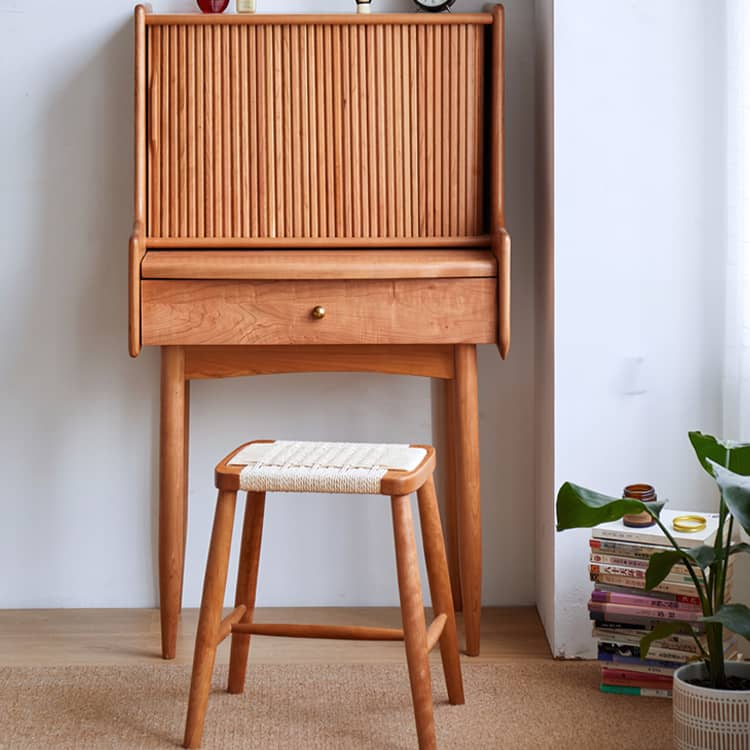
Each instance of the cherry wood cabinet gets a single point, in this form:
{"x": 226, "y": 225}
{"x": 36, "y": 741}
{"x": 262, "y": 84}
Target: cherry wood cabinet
{"x": 320, "y": 192}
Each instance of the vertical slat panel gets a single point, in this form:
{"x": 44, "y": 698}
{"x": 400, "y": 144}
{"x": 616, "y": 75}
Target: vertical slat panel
{"x": 286, "y": 149}
{"x": 289, "y": 130}
{"x": 460, "y": 195}
{"x": 154, "y": 120}
{"x": 442, "y": 64}
{"x": 174, "y": 109}
{"x": 320, "y": 126}
{"x": 346, "y": 95}
{"x": 278, "y": 125}
{"x": 192, "y": 208}
{"x": 328, "y": 129}
{"x": 244, "y": 125}
{"x": 210, "y": 132}
{"x": 226, "y": 114}
{"x": 296, "y": 173}
{"x": 164, "y": 132}
{"x": 406, "y": 130}
{"x": 384, "y": 169}
{"x": 218, "y": 133}
{"x": 200, "y": 134}
{"x": 415, "y": 130}
{"x": 305, "y": 140}
{"x": 270, "y": 155}
{"x": 252, "y": 120}
{"x": 357, "y": 134}
{"x": 479, "y": 217}
{"x": 312, "y": 119}
{"x": 237, "y": 129}
{"x": 182, "y": 196}
{"x": 337, "y": 116}
{"x": 454, "y": 130}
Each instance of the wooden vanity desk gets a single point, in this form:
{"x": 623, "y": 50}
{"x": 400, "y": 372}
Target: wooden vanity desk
{"x": 320, "y": 193}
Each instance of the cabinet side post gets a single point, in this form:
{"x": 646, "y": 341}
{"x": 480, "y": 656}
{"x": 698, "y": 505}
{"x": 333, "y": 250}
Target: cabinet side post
{"x": 500, "y": 239}
{"x": 137, "y": 247}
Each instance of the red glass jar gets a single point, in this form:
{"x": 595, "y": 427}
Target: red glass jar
{"x": 646, "y": 494}
{"x": 213, "y": 6}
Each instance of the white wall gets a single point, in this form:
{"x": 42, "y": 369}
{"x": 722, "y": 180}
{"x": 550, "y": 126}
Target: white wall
{"x": 79, "y": 418}
{"x": 638, "y": 260}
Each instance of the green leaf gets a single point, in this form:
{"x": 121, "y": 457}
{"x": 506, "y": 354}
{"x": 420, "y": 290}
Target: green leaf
{"x": 735, "y": 492}
{"x": 741, "y": 547}
{"x": 663, "y": 630}
{"x": 579, "y": 508}
{"x": 734, "y": 617}
{"x": 730, "y": 455}
{"x": 702, "y": 556}
{"x": 659, "y": 566}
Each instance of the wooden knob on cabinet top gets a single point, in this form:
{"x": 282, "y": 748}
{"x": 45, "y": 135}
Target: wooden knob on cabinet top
{"x": 318, "y": 312}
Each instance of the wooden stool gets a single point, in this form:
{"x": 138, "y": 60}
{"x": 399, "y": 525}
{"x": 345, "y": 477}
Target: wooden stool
{"x": 279, "y": 466}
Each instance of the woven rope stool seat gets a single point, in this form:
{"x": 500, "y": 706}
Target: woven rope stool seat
{"x": 352, "y": 468}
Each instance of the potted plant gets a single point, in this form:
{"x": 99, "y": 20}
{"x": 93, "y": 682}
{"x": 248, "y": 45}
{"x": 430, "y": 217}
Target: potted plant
{"x": 711, "y": 696}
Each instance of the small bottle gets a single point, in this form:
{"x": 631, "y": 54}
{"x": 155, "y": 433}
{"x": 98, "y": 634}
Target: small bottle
{"x": 646, "y": 494}
{"x": 363, "y": 6}
{"x": 246, "y": 6}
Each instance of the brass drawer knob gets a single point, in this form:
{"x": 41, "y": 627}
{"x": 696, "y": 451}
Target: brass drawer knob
{"x": 318, "y": 312}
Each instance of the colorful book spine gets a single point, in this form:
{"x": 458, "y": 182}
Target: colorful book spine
{"x": 637, "y": 573}
{"x": 682, "y": 598}
{"x": 632, "y": 562}
{"x": 655, "y": 652}
{"x": 684, "y": 643}
{"x": 636, "y": 600}
{"x": 615, "y": 676}
{"x": 611, "y": 547}
{"x": 666, "y": 587}
{"x": 653, "y": 613}
{"x": 636, "y": 660}
{"x": 643, "y": 692}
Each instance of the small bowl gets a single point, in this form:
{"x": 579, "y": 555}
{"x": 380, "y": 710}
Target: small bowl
{"x": 213, "y": 6}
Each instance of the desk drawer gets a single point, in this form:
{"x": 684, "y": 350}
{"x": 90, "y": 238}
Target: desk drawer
{"x": 402, "y": 311}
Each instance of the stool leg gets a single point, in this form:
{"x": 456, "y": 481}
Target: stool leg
{"x": 440, "y": 588}
{"x": 412, "y": 615}
{"x": 247, "y": 581}
{"x": 209, "y": 620}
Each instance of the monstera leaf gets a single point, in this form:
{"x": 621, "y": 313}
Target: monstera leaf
{"x": 579, "y": 508}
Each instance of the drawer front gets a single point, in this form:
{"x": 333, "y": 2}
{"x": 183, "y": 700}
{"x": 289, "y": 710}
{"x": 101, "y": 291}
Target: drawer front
{"x": 403, "y": 311}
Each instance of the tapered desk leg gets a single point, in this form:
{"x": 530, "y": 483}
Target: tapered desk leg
{"x": 443, "y": 420}
{"x": 172, "y": 468}
{"x": 467, "y": 487}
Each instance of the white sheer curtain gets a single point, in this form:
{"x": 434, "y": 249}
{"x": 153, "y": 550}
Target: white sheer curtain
{"x": 737, "y": 330}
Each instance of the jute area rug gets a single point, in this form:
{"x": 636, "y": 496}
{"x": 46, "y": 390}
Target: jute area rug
{"x": 542, "y": 704}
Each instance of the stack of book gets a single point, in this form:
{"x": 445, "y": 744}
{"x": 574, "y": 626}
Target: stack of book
{"x": 623, "y": 611}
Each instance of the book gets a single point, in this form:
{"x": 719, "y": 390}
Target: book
{"x": 683, "y": 598}
{"x": 665, "y": 587}
{"x": 633, "y": 636}
{"x": 653, "y": 613}
{"x": 655, "y": 652}
{"x": 617, "y": 530}
{"x": 636, "y": 600}
{"x": 636, "y": 660}
{"x": 643, "y": 692}
{"x": 628, "y": 549}
{"x": 643, "y": 667}
{"x": 613, "y": 675}
{"x": 623, "y": 571}
{"x": 640, "y": 563}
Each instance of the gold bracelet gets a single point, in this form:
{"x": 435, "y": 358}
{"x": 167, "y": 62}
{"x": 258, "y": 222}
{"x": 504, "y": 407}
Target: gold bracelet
{"x": 689, "y": 524}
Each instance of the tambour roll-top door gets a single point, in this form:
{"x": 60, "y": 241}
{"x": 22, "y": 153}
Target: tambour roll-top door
{"x": 332, "y": 131}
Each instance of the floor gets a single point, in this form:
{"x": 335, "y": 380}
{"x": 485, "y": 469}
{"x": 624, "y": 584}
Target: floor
{"x": 55, "y": 637}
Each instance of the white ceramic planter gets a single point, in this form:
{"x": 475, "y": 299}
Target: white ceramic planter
{"x": 708, "y": 719}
